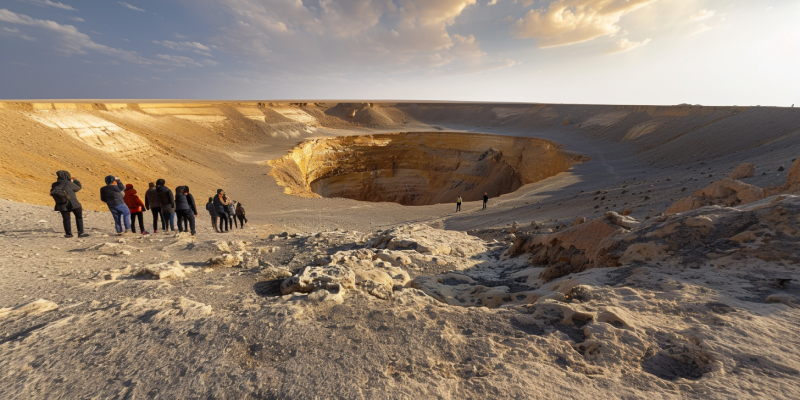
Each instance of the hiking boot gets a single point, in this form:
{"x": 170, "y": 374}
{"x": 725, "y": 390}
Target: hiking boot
{"x": 145, "y": 233}
{"x": 81, "y": 235}
{"x": 69, "y": 235}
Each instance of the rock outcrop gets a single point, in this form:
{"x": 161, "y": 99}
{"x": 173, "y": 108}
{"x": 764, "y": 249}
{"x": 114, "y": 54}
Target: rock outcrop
{"x": 743, "y": 171}
{"x": 418, "y": 168}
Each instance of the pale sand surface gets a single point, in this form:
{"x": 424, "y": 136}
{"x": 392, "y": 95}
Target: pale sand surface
{"x": 684, "y": 314}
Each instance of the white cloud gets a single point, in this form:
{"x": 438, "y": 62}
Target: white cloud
{"x": 132, "y": 7}
{"x": 78, "y": 19}
{"x": 703, "y": 14}
{"x": 69, "y": 39}
{"x": 624, "y": 45}
{"x": 390, "y": 36}
{"x": 49, "y": 3}
{"x": 492, "y": 2}
{"x": 700, "y": 29}
{"x": 196, "y": 47}
{"x": 566, "y": 22}
{"x": 177, "y": 61}
{"x": 16, "y": 33}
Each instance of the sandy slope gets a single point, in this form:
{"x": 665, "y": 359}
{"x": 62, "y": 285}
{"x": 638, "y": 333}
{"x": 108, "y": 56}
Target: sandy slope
{"x": 710, "y": 318}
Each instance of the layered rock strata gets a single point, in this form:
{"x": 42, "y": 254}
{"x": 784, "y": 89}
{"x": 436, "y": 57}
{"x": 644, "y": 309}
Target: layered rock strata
{"x": 418, "y": 168}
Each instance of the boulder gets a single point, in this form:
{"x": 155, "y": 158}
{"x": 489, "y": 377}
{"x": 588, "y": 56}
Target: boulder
{"x": 167, "y": 270}
{"x": 332, "y": 278}
{"x": 724, "y": 192}
{"x": 743, "y": 171}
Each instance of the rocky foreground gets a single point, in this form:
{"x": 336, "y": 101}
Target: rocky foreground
{"x": 702, "y": 303}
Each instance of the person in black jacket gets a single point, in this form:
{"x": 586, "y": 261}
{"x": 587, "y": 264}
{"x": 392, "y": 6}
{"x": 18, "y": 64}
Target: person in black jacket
{"x": 213, "y": 213}
{"x": 221, "y": 207}
{"x": 241, "y": 214}
{"x": 186, "y": 209}
{"x": 485, "y": 199}
{"x": 152, "y": 203}
{"x": 112, "y": 195}
{"x": 167, "y": 200}
{"x": 69, "y": 185}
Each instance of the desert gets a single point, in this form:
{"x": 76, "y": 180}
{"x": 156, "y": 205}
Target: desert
{"x": 625, "y": 251}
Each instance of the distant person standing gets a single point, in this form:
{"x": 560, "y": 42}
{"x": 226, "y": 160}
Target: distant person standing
{"x": 186, "y": 210}
{"x": 232, "y": 213}
{"x": 458, "y": 204}
{"x": 221, "y": 207}
{"x": 241, "y": 214}
{"x": 136, "y": 207}
{"x": 152, "y": 203}
{"x": 63, "y": 192}
{"x": 167, "y": 200}
{"x": 485, "y": 199}
{"x": 213, "y": 213}
{"x": 111, "y": 194}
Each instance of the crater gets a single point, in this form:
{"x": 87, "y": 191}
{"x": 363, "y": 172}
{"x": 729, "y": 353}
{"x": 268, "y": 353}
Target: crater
{"x": 418, "y": 168}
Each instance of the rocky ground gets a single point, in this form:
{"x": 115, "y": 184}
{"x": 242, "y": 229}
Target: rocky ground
{"x": 630, "y": 276}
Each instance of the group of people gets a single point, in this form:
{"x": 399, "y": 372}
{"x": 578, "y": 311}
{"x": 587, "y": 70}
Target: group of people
{"x": 485, "y": 200}
{"x": 126, "y": 206}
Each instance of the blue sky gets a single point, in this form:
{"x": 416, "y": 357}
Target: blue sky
{"x": 711, "y": 52}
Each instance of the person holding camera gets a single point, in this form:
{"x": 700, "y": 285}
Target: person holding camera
{"x": 112, "y": 195}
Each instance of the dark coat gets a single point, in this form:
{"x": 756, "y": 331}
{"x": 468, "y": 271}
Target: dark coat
{"x": 240, "y": 210}
{"x": 112, "y": 194}
{"x": 70, "y": 187}
{"x": 210, "y": 209}
{"x": 151, "y": 199}
{"x": 219, "y": 206}
{"x": 166, "y": 199}
{"x": 185, "y": 202}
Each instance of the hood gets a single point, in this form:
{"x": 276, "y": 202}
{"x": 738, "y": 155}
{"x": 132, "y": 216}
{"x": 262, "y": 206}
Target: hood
{"x": 63, "y": 175}
{"x": 110, "y": 179}
{"x": 129, "y": 190}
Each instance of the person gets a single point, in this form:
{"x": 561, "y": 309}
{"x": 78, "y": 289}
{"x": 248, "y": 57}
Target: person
{"x": 152, "y": 203}
{"x": 210, "y": 209}
{"x": 63, "y": 192}
{"x": 232, "y": 213}
{"x": 136, "y": 207}
{"x": 167, "y": 201}
{"x": 458, "y": 204}
{"x": 221, "y": 207}
{"x": 240, "y": 214}
{"x": 485, "y": 199}
{"x": 111, "y": 194}
{"x": 186, "y": 210}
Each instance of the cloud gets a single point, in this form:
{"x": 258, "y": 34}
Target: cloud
{"x": 703, "y": 14}
{"x": 566, "y": 22}
{"x": 196, "y": 47}
{"x": 16, "y": 33}
{"x": 132, "y": 7}
{"x": 700, "y": 29}
{"x": 492, "y": 2}
{"x": 177, "y": 61}
{"x": 77, "y": 19}
{"x": 48, "y": 3}
{"x": 624, "y": 45}
{"x": 366, "y": 35}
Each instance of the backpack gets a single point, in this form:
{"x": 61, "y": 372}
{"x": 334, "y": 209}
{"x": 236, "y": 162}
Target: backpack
{"x": 59, "y": 194}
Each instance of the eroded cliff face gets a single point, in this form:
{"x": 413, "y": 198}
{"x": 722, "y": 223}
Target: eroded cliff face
{"x": 418, "y": 168}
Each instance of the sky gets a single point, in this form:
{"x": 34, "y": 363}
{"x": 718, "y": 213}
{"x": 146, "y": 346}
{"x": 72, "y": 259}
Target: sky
{"x": 709, "y": 52}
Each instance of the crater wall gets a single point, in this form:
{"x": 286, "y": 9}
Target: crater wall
{"x": 418, "y": 168}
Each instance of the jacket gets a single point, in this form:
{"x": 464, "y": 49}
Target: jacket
{"x": 185, "y": 202}
{"x": 151, "y": 199}
{"x": 166, "y": 199}
{"x": 133, "y": 201}
{"x": 112, "y": 194}
{"x": 219, "y": 206}
{"x": 70, "y": 187}
{"x": 210, "y": 209}
{"x": 232, "y": 207}
{"x": 239, "y": 210}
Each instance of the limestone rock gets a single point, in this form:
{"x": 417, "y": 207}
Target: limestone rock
{"x": 430, "y": 241}
{"x": 167, "y": 270}
{"x": 33, "y": 308}
{"x": 330, "y": 277}
{"x": 578, "y": 221}
{"x": 621, "y": 220}
{"x": 725, "y": 192}
{"x": 743, "y": 171}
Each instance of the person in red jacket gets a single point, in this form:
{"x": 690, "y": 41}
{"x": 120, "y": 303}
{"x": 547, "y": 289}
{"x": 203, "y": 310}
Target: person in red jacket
{"x": 136, "y": 206}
